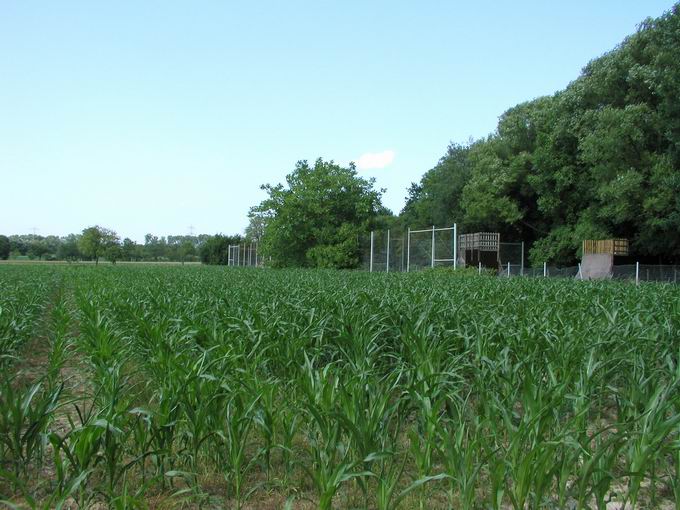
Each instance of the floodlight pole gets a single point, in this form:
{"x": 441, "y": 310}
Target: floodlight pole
{"x": 432, "y": 245}
{"x": 387, "y": 269}
{"x": 408, "y": 251}
{"x": 370, "y": 264}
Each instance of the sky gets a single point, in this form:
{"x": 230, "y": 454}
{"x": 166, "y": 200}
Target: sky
{"x": 166, "y": 117}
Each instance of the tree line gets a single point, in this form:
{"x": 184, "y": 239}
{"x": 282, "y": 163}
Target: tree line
{"x": 599, "y": 159}
{"x": 96, "y": 242}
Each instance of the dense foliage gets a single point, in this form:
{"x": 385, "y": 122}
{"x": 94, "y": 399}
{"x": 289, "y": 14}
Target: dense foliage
{"x": 215, "y": 249}
{"x": 4, "y": 247}
{"x": 317, "y": 218}
{"x": 343, "y": 389}
{"x": 599, "y": 159}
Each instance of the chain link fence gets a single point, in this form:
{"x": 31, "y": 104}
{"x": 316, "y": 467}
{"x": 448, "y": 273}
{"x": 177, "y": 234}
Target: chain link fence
{"x": 627, "y": 272}
{"x": 413, "y": 250}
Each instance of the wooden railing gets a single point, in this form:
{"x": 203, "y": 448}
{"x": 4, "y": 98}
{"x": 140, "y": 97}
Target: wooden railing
{"x": 483, "y": 241}
{"x": 605, "y": 246}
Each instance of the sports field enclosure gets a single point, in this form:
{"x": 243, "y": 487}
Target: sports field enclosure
{"x": 213, "y": 387}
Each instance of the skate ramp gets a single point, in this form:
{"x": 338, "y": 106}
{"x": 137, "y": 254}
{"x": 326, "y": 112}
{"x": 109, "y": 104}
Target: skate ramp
{"x": 597, "y": 266}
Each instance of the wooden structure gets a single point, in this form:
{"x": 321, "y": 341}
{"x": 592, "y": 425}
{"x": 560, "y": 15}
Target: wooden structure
{"x": 479, "y": 247}
{"x": 597, "y": 261}
{"x": 614, "y": 247}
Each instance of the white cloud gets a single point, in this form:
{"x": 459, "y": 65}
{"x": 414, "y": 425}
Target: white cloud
{"x": 372, "y": 160}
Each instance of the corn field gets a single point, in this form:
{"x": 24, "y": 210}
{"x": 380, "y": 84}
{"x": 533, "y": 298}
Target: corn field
{"x": 209, "y": 387}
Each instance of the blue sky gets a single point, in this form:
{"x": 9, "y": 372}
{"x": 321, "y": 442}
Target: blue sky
{"x": 156, "y": 116}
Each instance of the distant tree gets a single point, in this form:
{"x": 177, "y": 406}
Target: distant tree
{"x": 215, "y": 249}
{"x": 186, "y": 249}
{"x": 18, "y": 245}
{"x": 317, "y": 218}
{"x": 4, "y": 247}
{"x": 37, "y": 249}
{"x": 113, "y": 252}
{"x": 68, "y": 248}
{"x": 155, "y": 247}
{"x": 95, "y": 240}
{"x": 129, "y": 249}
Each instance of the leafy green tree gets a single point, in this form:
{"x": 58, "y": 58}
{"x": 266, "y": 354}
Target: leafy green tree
{"x": 215, "y": 249}
{"x": 68, "y": 248}
{"x": 155, "y": 247}
{"x": 186, "y": 250}
{"x": 4, "y": 247}
{"x": 113, "y": 252}
{"x": 129, "y": 250}
{"x": 37, "y": 249}
{"x": 317, "y": 217}
{"x": 95, "y": 240}
{"x": 436, "y": 200}
{"x": 598, "y": 159}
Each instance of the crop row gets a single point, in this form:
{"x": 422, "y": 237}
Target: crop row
{"x": 337, "y": 389}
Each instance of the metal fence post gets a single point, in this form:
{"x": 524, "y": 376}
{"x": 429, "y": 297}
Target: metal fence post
{"x": 455, "y": 246}
{"x": 521, "y": 269}
{"x": 370, "y": 264}
{"x": 432, "y": 263}
{"x": 545, "y": 269}
{"x": 637, "y": 273}
{"x": 508, "y": 269}
{"x": 408, "y": 251}
{"x": 480, "y": 267}
{"x": 387, "y": 268}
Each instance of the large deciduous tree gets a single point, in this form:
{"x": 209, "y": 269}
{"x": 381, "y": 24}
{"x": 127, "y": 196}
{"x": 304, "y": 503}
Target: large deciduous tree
{"x": 599, "y": 159}
{"x": 316, "y": 218}
{"x": 94, "y": 241}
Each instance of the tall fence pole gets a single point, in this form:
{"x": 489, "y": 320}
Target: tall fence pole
{"x": 455, "y": 246}
{"x": 408, "y": 251}
{"x": 480, "y": 267}
{"x": 637, "y": 273}
{"x": 387, "y": 268}
{"x": 370, "y": 264}
{"x": 521, "y": 269}
{"x": 432, "y": 263}
{"x": 508, "y": 269}
{"x": 545, "y": 269}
